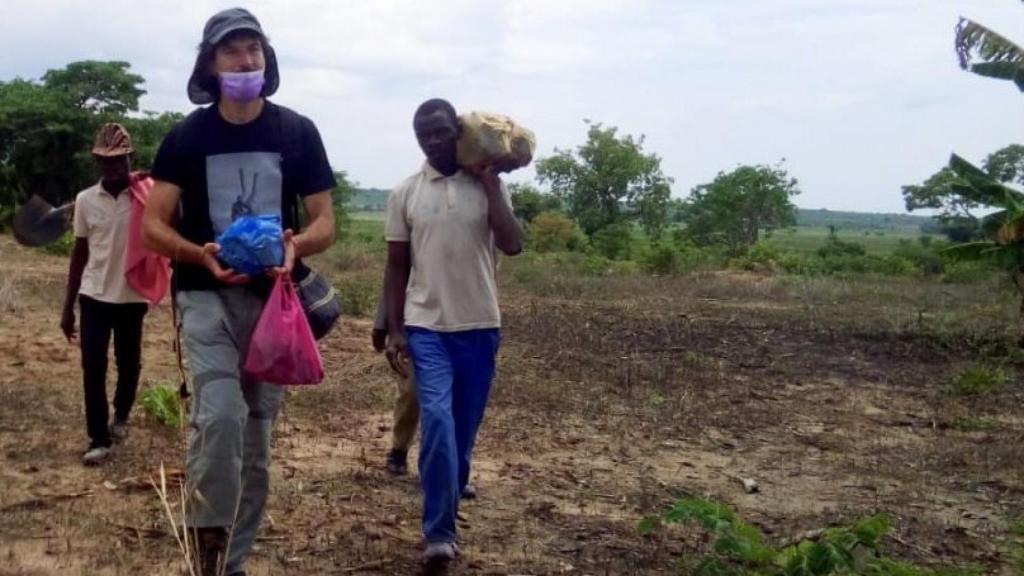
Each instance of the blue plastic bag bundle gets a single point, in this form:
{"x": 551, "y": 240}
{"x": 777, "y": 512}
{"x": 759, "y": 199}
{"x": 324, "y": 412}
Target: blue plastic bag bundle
{"x": 252, "y": 244}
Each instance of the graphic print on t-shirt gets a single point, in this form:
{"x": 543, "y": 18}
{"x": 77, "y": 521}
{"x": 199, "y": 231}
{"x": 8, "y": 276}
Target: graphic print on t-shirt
{"x": 242, "y": 184}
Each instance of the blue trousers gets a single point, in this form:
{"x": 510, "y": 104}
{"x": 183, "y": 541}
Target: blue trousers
{"x": 453, "y": 372}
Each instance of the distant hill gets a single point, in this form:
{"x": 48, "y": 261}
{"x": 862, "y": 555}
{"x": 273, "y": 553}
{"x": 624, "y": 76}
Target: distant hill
{"x": 822, "y": 218}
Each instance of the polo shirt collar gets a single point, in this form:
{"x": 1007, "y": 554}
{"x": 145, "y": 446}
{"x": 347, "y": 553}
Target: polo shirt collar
{"x": 103, "y": 190}
{"x": 433, "y": 174}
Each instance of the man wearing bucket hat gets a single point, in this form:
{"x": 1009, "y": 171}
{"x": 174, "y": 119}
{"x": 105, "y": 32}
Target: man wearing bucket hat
{"x": 240, "y": 155}
{"x": 109, "y": 305}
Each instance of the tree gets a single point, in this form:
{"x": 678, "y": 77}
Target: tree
{"x": 609, "y": 180}
{"x": 41, "y": 143}
{"x": 1006, "y": 165}
{"x": 735, "y": 207}
{"x": 148, "y": 133}
{"x": 528, "y": 202}
{"x": 98, "y": 87}
{"x": 1004, "y": 229}
{"x": 988, "y": 53}
{"x": 47, "y": 127}
{"x": 341, "y": 195}
{"x": 952, "y": 195}
{"x": 940, "y": 192}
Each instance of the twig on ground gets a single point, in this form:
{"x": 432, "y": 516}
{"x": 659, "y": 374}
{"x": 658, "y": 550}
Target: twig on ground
{"x": 138, "y": 530}
{"x": 44, "y": 501}
{"x": 368, "y": 566}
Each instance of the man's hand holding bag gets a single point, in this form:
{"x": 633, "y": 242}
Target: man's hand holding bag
{"x": 282, "y": 349}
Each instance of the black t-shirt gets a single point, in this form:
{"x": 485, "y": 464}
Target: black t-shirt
{"x": 229, "y": 170}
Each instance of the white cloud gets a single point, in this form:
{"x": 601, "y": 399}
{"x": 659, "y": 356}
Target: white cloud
{"x": 861, "y": 96}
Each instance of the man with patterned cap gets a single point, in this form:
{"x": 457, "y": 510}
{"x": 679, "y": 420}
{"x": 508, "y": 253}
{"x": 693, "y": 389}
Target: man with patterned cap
{"x": 109, "y": 305}
{"x": 240, "y": 155}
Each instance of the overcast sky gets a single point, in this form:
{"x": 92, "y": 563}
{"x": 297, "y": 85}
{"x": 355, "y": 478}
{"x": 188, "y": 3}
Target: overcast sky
{"x": 859, "y": 96}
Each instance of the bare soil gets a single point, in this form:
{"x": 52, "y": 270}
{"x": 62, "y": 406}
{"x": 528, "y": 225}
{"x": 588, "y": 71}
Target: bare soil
{"x": 605, "y": 409}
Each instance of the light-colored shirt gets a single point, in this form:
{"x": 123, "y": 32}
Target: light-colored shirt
{"x": 103, "y": 220}
{"x": 444, "y": 218}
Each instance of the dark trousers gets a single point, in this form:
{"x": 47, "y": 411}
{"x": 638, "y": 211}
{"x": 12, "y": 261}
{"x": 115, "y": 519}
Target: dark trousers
{"x": 99, "y": 320}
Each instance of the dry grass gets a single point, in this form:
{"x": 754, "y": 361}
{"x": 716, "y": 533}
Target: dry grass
{"x": 10, "y": 297}
{"x": 614, "y": 396}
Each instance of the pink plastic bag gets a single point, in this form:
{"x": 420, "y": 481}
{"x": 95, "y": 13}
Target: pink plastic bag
{"x": 282, "y": 349}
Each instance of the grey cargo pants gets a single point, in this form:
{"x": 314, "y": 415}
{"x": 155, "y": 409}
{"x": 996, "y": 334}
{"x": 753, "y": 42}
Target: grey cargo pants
{"x": 228, "y": 459}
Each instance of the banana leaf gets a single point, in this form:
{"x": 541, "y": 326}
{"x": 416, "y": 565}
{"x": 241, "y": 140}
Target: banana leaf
{"x": 982, "y": 188}
{"x": 977, "y": 41}
{"x": 971, "y": 250}
{"x": 1002, "y": 71}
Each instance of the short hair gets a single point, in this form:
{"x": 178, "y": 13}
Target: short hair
{"x": 436, "y": 105}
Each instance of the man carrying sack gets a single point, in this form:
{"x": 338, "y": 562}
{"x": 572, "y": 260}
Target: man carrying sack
{"x": 443, "y": 226}
{"x": 243, "y": 155}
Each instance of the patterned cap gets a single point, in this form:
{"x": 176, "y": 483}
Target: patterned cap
{"x": 112, "y": 140}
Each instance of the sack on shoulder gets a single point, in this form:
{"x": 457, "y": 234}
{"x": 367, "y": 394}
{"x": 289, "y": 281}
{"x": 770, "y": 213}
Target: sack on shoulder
{"x": 320, "y": 301}
{"x": 489, "y": 138}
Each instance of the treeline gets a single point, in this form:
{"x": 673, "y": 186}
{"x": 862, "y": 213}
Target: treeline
{"x": 607, "y": 197}
{"x": 47, "y": 128}
{"x": 863, "y": 221}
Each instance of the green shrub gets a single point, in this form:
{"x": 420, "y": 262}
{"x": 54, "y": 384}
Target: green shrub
{"x": 554, "y": 232}
{"x": 598, "y": 265}
{"x": 977, "y": 381}
{"x": 62, "y": 246}
{"x": 924, "y": 254}
{"x": 735, "y": 548}
{"x": 836, "y": 248}
{"x": 759, "y": 256}
{"x": 6, "y": 217}
{"x": 838, "y": 263}
{"x": 966, "y": 272}
{"x": 163, "y": 404}
{"x": 661, "y": 258}
{"x": 614, "y": 241}
{"x": 693, "y": 257}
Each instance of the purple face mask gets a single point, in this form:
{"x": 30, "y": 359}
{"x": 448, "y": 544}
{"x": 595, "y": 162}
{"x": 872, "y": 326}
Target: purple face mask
{"x": 242, "y": 86}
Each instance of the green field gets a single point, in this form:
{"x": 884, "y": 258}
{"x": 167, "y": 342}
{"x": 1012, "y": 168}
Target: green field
{"x": 375, "y": 216}
{"x": 806, "y": 240}
{"x": 799, "y": 239}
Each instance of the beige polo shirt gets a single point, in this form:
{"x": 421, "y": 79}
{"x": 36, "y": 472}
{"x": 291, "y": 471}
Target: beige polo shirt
{"x": 451, "y": 284}
{"x": 104, "y": 220}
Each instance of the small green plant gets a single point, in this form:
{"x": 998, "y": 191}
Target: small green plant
{"x": 977, "y": 381}
{"x": 736, "y": 548}
{"x": 1016, "y": 527}
{"x": 834, "y": 247}
{"x": 1015, "y": 544}
{"x": 979, "y": 424}
{"x": 62, "y": 246}
{"x": 162, "y": 404}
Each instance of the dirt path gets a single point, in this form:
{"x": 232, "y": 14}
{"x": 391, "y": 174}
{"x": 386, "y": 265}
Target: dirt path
{"x": 601, "y": 414}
